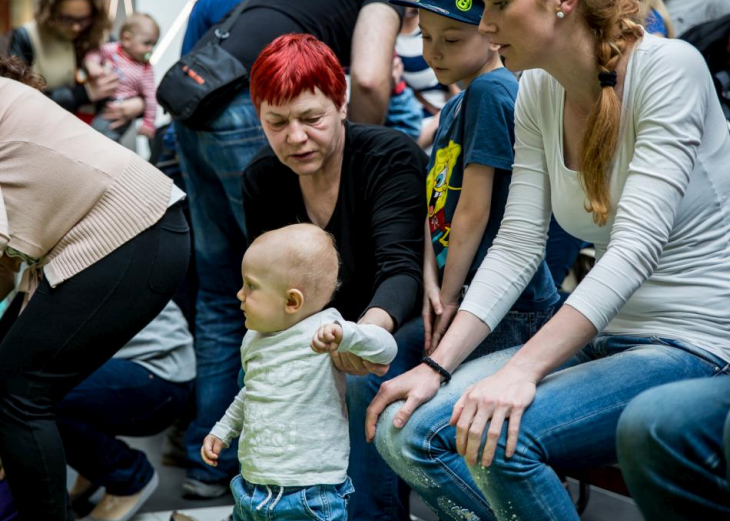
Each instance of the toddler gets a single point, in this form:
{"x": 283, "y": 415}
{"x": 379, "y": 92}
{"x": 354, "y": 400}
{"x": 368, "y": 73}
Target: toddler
{"x": 129, "y": 59}
{"x": 291, "y": 414}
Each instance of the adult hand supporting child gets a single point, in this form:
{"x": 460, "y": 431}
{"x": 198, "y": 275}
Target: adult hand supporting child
{"x": 122, "y": 112}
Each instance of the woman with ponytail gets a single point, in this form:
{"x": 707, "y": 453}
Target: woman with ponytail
{"x": 620, "y": 135}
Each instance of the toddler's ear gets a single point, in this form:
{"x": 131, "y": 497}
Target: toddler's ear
{"x": 294, "y": 300}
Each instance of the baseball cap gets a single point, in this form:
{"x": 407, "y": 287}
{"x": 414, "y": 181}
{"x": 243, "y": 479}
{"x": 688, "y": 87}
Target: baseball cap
{"x": 466, "y": 11}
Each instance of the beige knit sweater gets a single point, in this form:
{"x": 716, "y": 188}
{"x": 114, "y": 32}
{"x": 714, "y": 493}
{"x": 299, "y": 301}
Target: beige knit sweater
{"x": 68, "y": 195}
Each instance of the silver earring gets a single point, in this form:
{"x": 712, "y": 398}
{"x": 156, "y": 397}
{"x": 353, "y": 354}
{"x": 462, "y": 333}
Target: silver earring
{"x": 561, "y": 15}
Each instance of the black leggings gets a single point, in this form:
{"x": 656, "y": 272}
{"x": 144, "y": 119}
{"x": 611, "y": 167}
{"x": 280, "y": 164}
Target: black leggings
{"x": 62, "y": 337}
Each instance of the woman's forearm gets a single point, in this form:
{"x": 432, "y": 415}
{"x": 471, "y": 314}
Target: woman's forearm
{"x": 464, "y": 335}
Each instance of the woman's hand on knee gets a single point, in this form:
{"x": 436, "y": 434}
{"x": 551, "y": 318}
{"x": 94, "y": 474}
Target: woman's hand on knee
{"x": 501, "y": 397}
{"x": 416, "y": 387}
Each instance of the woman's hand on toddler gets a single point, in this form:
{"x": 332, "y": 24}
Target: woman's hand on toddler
{"x": 327, "y": 338}
{"x": 210, "y": 450}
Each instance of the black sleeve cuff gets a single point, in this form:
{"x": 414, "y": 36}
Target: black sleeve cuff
{"x": 397, "y": 296}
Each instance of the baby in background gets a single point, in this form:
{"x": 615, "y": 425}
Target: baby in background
{"x": 291, "y": 414}
{"x": 129, "y": 59}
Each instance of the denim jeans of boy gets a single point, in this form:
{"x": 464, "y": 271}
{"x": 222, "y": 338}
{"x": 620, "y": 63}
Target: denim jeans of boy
{"x": 571, "y": 424}
{"x": 121, "y": 398}
{"x": 212, "y": 162}
{"x": 382, "y": 495}
{"x": 274, "y": 503}
{"x": 674, "y": 450}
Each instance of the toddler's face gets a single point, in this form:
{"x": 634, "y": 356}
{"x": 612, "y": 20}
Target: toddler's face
{"x": 263, "y": 299}
{"x": 140, "y": 42}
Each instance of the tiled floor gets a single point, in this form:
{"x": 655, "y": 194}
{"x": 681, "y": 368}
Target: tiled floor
{"x": 603, "y": 506}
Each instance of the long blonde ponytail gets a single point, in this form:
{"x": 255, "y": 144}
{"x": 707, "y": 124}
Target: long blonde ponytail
{"x": 616, "y": 23}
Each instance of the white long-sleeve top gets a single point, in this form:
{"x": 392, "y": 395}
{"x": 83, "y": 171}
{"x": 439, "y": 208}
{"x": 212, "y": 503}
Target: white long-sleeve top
{"x": 663, "y": 265}
{"x": 291, "y": 412}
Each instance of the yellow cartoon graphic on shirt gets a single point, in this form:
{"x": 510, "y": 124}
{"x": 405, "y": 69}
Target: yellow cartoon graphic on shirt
{"x": 437, "y": 189}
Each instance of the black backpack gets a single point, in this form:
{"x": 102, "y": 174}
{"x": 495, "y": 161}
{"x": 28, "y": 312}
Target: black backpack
{"x": 203, "y": 82}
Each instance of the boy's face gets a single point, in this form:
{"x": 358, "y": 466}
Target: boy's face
{"x": 140, "y": 42}
{"x": 456, "y": 51}
{"x": 263, "y": 297}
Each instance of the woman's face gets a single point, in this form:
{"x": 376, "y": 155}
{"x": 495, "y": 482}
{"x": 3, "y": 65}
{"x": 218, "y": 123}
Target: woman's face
{"x": 305, "y": 133}
{"x": 72, "y": 17}
{"x": 524, "y": 30}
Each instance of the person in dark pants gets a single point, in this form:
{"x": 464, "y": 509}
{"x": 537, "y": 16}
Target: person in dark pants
{"x": 107, "y": 246}
{"x": 141, "y": 391}
{"x": 362, "y": 35}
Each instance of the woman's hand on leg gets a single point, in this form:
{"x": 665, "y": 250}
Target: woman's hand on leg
{"x": 416, "y": 387}
{"x": 504, "y": 396}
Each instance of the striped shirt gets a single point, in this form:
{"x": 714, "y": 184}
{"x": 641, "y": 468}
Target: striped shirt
{"x": 135, "y": 78}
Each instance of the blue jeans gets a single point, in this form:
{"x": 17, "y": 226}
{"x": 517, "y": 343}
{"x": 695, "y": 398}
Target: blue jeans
{"x": 381, "y": 494}
{"x": 674, "y": 450}
{"x": 121, "y": 398}
{"x": 570, "y": 425}
{"x": 274, "y": 503}
{"x": 561, "y": 251}
{"x": 212, "y": 162}
{"x": 405, "y": 113}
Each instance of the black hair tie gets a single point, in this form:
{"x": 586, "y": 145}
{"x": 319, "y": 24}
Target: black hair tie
{"x": 608, "y": 79}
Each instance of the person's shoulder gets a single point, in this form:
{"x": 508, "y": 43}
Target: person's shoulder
{"x": 673, "y": 54}
{"x": 264, "y": 168}
{"x": 499, "y": 84}
{"x": 376, "y": 141}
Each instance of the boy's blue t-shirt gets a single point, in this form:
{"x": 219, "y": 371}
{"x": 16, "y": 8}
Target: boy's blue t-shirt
{"x": 477, "y": 126}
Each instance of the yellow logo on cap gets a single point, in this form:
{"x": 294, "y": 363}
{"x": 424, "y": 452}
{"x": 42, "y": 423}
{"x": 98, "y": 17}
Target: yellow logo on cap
{"x": 463, "y": 5}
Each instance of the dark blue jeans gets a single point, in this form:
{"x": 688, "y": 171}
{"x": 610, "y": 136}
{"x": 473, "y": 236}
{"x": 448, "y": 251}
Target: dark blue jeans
{"x": 212, "y": 162}
{"x": 381, "y": 494}
{"x": 674, "y": 450}
{"x": 571, "y": 424}
{"x": 121, "y": 398}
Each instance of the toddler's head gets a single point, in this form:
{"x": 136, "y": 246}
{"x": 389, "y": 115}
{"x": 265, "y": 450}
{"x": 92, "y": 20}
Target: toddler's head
{"x": 138, "y": 36}
{"x": 288, "y": 275}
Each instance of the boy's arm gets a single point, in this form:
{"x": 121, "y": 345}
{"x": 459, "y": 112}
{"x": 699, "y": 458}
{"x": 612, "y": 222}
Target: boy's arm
{"x": 231, "y": 425}
{"x": 467, "y": 228}
{"x": 368, "y": 341}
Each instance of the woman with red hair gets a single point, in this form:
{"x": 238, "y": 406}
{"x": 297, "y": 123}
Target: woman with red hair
{"x": 363, "y": 184}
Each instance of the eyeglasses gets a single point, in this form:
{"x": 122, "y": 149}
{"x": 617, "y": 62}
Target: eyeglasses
{"x": 70, "y": 21}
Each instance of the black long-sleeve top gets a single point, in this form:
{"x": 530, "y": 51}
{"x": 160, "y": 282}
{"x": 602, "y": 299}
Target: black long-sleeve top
{"x": 377, "y": 221}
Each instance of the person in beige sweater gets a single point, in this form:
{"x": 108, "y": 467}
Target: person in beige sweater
{"x": 105, "y": 246}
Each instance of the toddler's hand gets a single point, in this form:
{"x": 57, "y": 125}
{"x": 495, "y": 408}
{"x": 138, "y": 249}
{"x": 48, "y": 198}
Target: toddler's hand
{"x": 327, "y": 338}
{"x": 210, "y": 450}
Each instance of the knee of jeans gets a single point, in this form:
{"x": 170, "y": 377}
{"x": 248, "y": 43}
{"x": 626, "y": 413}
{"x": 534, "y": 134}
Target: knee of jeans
{"x": 636, "y": 428}
{"x": 406, "y": 450}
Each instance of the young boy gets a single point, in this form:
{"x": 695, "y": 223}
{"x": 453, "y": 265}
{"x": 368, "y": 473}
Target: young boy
{"x": 291, "y": 414}
{"x": 129, "y": 59}
{"x": 470, "y": 167}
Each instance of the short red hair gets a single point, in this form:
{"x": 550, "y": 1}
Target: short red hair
{"x": 292, "y": 64}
